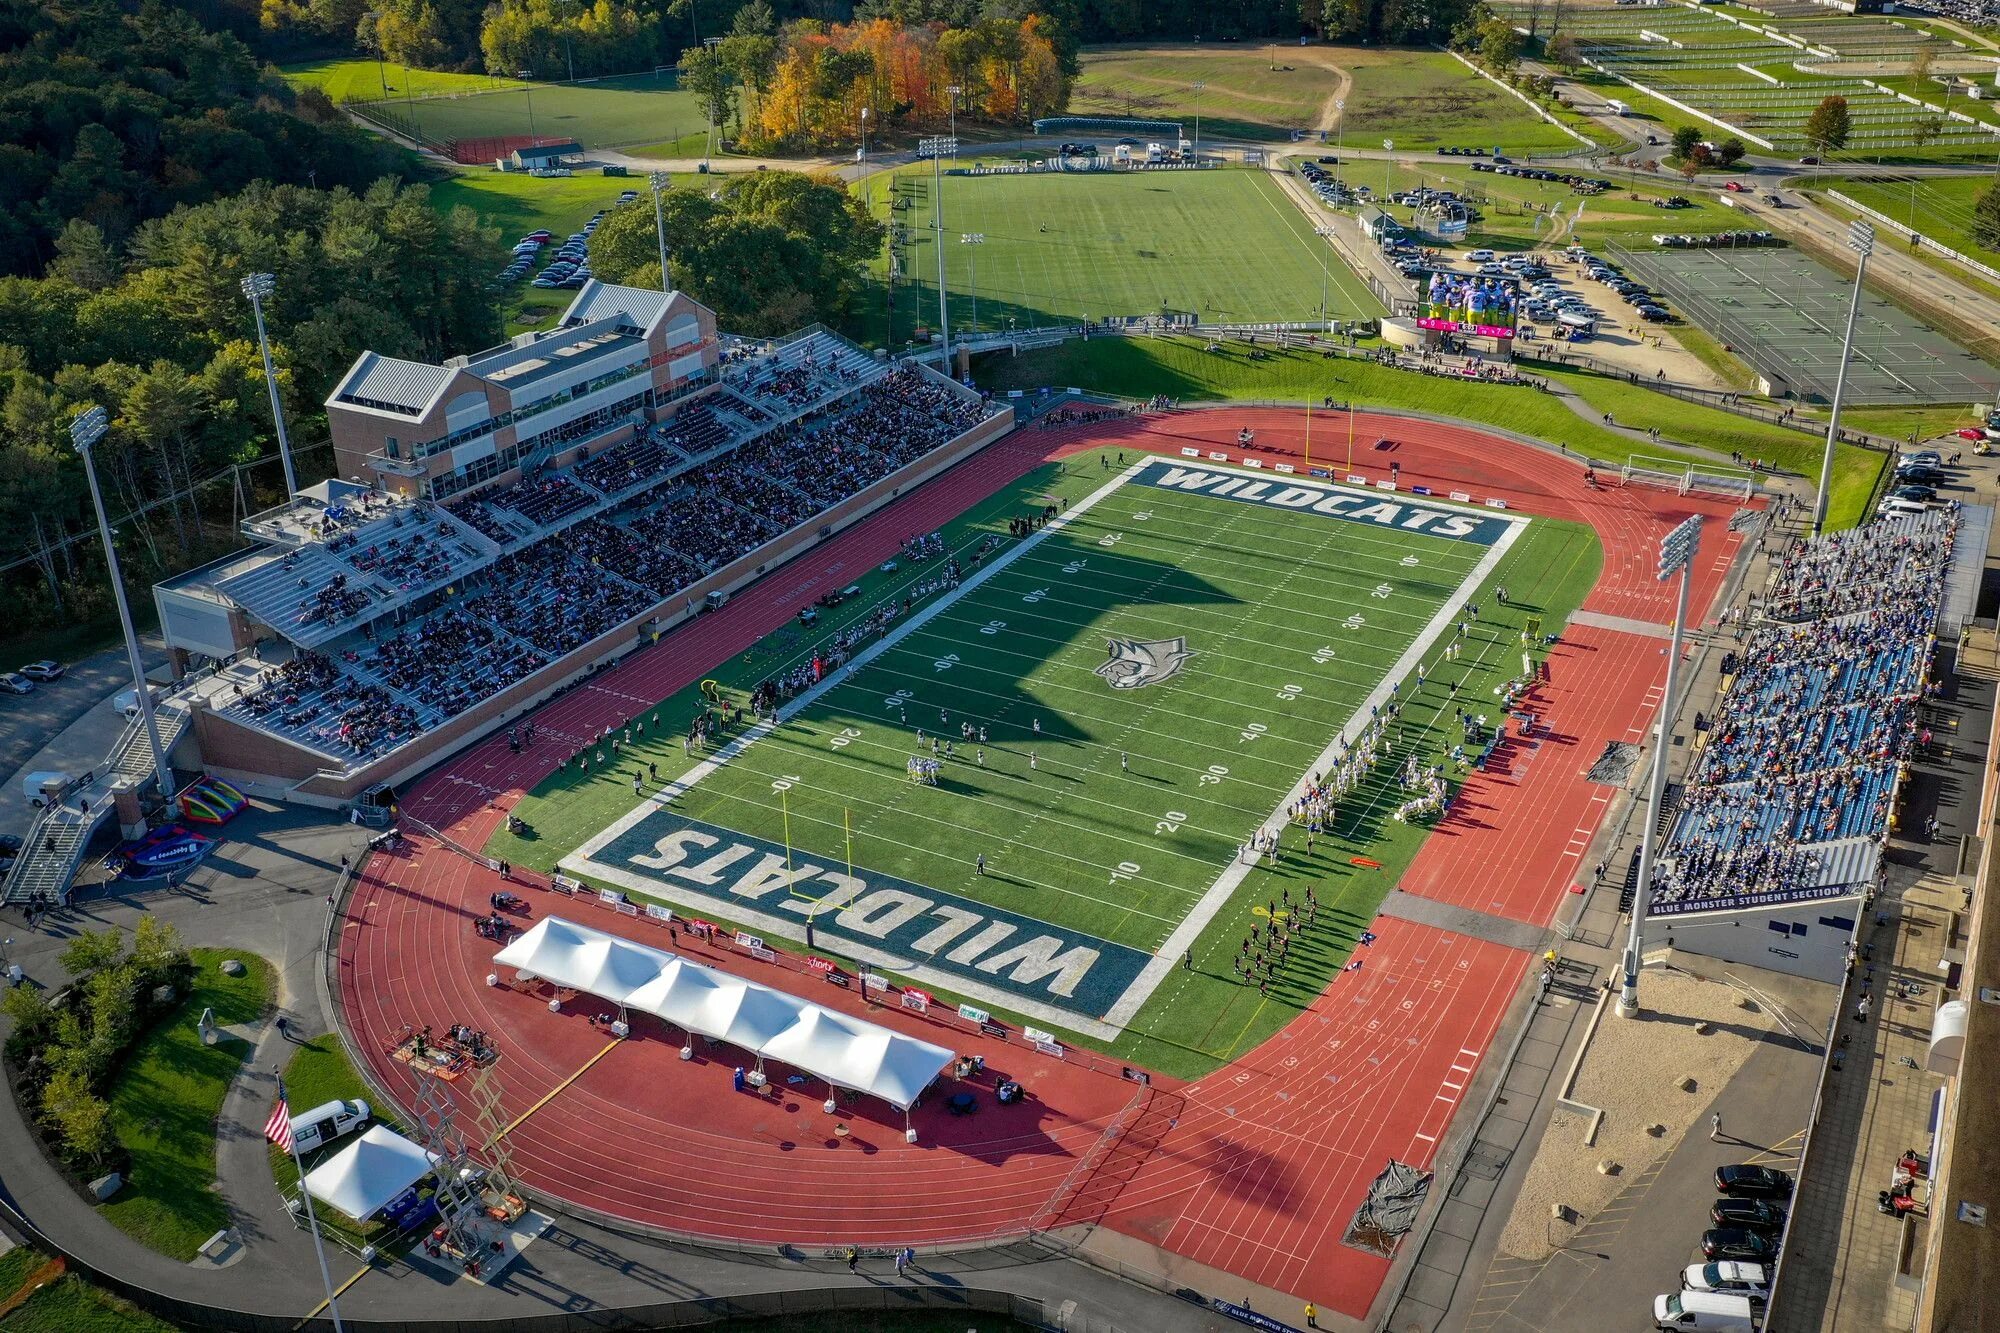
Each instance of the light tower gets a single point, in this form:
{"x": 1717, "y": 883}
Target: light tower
{"x": 662, "y": 182}
{"x": 258, "y": 287}
{"x": 1861, "y": 240}
{"x": 1677, "y": 550}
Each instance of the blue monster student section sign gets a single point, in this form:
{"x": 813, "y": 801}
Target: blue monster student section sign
{"x": 1384, "y": 509}
{"x": 732, "y": 873}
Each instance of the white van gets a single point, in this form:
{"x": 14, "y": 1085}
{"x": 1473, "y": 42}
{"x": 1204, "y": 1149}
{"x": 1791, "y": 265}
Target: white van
{"x": 323, "y": 1124}
{"x": 1896, "y": 504}
{"x": 1616, "y": 107}
{"x": 1709, "y": 1311}
{"x": 1478, "y": 256}
{"x": 45, "y": 786}
{"x": 1729, "y": 1277}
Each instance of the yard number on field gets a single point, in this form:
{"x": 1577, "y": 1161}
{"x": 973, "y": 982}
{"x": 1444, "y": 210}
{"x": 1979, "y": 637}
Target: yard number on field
{"x": 1290, "y": 693}
{"x": 787, "y": 782}
{"x": 1251, "y": 732}
{"x": 1125, "y": 870}
{"x": 993, "y": 627}
{"x": 847, "y": 737}
{"x": 1383, "y": 590}
{"x": 1032, "y": 598}
{"x": 1323, "y": 655}
{"x": 894, "y": 703}
{"x": 1111, "y": 539}
{"x": 1215, "y": 774}
{"x": 945, "y": 663}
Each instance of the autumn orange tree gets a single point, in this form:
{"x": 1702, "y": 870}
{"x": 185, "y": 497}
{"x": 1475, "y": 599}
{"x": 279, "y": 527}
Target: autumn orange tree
{"x": 824, "y": 74}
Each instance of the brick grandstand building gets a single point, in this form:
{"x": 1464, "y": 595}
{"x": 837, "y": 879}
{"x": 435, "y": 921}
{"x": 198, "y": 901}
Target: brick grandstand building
{"x": 509, "y": 521}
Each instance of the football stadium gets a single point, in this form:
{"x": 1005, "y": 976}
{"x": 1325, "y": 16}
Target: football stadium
{"x": 1275, "y": 768}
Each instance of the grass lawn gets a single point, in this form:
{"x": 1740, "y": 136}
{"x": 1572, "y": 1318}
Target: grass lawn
{"x": 1106, "y": 815}
{"x": 361, "y": 80}
{"x": 1926, "y": 422}
{"x": 319, "y": 1072}
{"x": 1181, "y": 368}
{"x": 1061, "y": 248}
{"x": 1422, "y": 99}
{"x": 72, "y": 1305}
{"x": 163, "y": 1108}
{"x": 1939, "y": 207}
{"x": 632, "y": 109}
{"x": 1245, "y": 97}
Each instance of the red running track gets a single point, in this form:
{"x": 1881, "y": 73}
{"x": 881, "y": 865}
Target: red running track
{"x": 1253, "y": 1170}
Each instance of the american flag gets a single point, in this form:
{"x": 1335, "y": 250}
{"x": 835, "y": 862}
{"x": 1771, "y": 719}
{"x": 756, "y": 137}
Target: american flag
{"x": 278, "y": 1129}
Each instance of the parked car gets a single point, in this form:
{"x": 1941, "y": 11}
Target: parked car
{"x": 1753, "y": 1182}
{"x": 1892, "y": 506}
{"x": 1738, "y": 1243}
{"x": 1706, "y": 1312}
{"x": 1756, "y": 1214}
{"x": 1921, "y": 494}
{"x": 1740, "y": 1278}
{"x": 1479, "y": 256}
{"x": 44, "y": 670}
{"x": 1916, "y": 474}
{"x": 15, "y": 683}
{"x": 1924, "y": 457}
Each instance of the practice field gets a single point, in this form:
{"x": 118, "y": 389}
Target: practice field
{"x": 1940, "y": 207}
{"x": 1157, "y": 673}
{"x": 607, "y": 113}
{"x": 1063, "y": 248}
{"x": 363, "y": 80}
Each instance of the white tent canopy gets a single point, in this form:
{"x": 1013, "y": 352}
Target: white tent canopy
{"x": 847, "y": 1052}
{"x": 366, "y": 1175}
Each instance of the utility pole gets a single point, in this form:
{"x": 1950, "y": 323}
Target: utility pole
{"x": 1677, "y": 550}
{"x": 1197, "y": 119}
{"x": 525, "y": 76}
{"x": 709, "y": 44}
{"x": 1861, "y": 240}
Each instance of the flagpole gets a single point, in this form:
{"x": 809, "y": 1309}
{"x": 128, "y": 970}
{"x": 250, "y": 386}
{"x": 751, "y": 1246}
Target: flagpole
{"x": 1309, "y": 439}
{"x": 1350, "y": 435}
{"x": 312, "y": 1218}
{"x": 847, "y": 823}
{"x": 785, "y": 804}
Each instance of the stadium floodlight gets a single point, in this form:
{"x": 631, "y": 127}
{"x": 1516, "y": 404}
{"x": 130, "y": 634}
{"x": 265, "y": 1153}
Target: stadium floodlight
{"x": 935, "y": 147}
{"x": 973, "y": 238}
{"x": 1388, "y": 165}
{"x": 662, "y": 182}
{"x": 952, "y": 91}
{"x": 1197, "y": 86}
{"x": 85, "y": 430}
{"x": 1677, "y": 552}
{"x": 1324, "y": 231}
{"x": 258, "y": 287}
{"x": 1861, "y": 240}
{"x": 526, "y": 76}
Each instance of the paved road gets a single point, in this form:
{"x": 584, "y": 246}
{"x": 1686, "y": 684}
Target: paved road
{"x": 264, "y": 891}
{"x": 33, "y": 727}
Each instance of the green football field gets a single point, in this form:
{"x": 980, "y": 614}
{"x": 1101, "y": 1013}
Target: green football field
{"x": 604, "y": 113}
{"x": 1226, "y": 244}
{"x": 1112, "y": 832}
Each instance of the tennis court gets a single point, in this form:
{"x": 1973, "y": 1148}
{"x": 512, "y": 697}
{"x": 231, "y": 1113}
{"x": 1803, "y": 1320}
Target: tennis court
{"x": 1785, "y": 313}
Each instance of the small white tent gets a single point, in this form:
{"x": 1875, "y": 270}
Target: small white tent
{"x": 845, "y": 1051}
{"x": 363, "y": 1177}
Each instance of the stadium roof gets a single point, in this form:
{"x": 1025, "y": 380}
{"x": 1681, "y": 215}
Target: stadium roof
{"x": 386, "y": 384}
{"x": 641, "y": 306}
{"x": 846, "y": 1051}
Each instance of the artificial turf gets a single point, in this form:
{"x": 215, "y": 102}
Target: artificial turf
{"x": 603, "y": 113}
{"x": 1135, "y": 801}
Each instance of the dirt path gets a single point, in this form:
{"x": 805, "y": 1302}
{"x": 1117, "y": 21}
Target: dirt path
{"x": 1329, "y": 114}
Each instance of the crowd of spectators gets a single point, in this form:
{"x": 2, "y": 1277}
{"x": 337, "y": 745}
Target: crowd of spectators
{"x": 700, "y": 523}
{"x": 1859, "y": 568}
{"x": 450, "y": 660}
{"x": 331, "y": 602}
{"x": 645, "y": 457}
{"x": 1821, "y": 712}
{"x": 653, "y": 564}
{"x": 409, "y": 560}
{"x": 545, "y": 498}
{"x": 476, "y": 512}
{"x": 556, "y": 602}
{"x": 324, "y": 706}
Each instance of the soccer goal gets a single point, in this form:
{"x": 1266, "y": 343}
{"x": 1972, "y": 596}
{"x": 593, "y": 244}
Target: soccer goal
{"x": 1682, "y": 478}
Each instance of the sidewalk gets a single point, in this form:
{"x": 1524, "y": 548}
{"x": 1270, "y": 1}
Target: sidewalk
{"x": 1845, "y": 1256}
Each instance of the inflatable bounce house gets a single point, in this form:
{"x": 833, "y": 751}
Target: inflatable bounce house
{"x": 162, "y": 851}
{"x": 211, "y": 801}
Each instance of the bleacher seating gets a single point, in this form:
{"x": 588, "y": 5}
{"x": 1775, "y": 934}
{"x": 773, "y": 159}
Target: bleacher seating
{"x": 586, "y": 548}
{"x": 1821, "y": 712}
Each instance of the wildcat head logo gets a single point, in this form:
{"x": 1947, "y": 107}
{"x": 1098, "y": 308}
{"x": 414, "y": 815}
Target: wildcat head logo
{"x": 1136, "y": 662}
